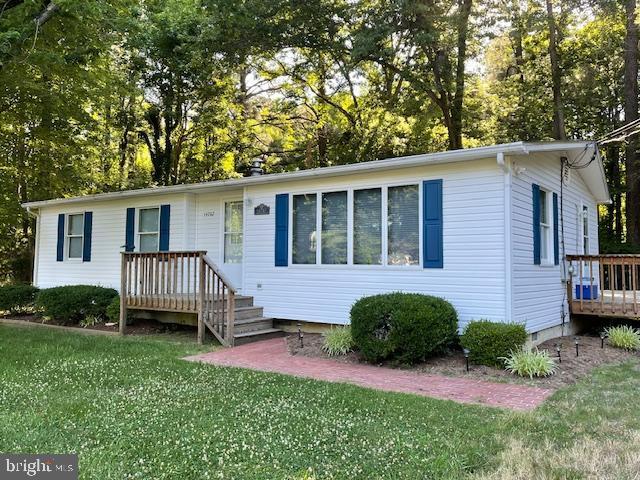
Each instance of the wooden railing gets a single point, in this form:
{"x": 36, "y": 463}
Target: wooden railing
{"x": 181, "y": 282}
{"x": 604, "y": 284}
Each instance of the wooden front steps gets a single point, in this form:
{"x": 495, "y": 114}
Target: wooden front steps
{"x": 250, "y": 325}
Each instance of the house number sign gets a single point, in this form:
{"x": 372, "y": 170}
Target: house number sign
{"x": 262, "y": 209}
{"x": 210, "y": 213}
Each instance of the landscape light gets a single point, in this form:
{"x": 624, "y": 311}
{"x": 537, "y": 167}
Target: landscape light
{"x": 558, "y": 347}
{"x": 577, "y": 345}
{"x": 602, "y": 337}
{"x": 300, "y": 335}
{"x": 466, "y": 357}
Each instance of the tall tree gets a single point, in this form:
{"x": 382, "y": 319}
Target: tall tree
{"x": 559, "y": 131}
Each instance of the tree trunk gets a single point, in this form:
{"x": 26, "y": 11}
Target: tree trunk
{"x": 556, "y": 77}
{"x": 455, "y": 129}
{"x": 631, "y": 114}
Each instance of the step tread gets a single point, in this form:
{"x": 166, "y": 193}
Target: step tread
{"x": 255, "y": 333}
{"x": 246, "y": 321}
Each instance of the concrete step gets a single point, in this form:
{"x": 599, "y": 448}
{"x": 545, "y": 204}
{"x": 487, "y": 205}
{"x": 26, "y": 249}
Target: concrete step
{"x": 252, "y": 324}
{"x": 257, "y": 335}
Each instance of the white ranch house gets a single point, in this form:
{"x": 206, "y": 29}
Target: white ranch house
{"x": 483, "y": 228}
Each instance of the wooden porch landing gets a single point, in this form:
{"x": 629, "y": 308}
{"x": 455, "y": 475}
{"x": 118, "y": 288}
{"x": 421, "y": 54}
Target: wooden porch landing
{"x": 189, "y": 282}
{"x": 616, "y": 278}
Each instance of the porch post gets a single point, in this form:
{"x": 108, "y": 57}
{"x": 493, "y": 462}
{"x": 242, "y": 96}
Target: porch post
{"x": 201, "y": 290}
{"x": 123, "y": 293}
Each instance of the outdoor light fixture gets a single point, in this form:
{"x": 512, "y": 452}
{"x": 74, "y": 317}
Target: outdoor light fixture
{"x": 466, "y": 357}
{"x": 301, "y": 339}
{"x": 575, "y": 339}
{"x": 602, "y": 337}
{"x": 300, "y": 335}
{"x": 558, "y": 347}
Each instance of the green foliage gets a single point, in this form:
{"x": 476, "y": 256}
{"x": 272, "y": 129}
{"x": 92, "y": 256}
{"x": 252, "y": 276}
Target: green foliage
{"x": 530, "y": 363}
{"x": 488, "y": 342}
{"x": 337, "y": 341}
{"x": 17, "y": 297}
{"x": 624, "y": 336}
{"x": 113, "y": 310}
{"x": 407, "y": 327}
{"x": 73, "y": 303}
{"x": 90, "y": 321}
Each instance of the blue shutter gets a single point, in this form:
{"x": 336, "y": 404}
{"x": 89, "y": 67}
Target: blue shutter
{"x": 60, "y": 244}
{"x": 536, "y": 223}
{"x": 432, "y": 224}
{"x": 556, "y": 240}
{"x": 129, "y": 242}
{"x": 282, "y": 230}
{"x": 165, "y": 214}
{"x": 86, "y": 243}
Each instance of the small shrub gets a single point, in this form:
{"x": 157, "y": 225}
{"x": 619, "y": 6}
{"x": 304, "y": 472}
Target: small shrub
{"x": 113, "y": 311}
{"x": 624, "y": 336}
{"x": 489, "y": 342}
{"x": 17, "y": 297}
{"x": 530, "y": 363}
{"x": 72, "y": 303}
{"x": 337, "y": 341}
{"x": 407, "y": 327}
{"x": 90, "y": 321}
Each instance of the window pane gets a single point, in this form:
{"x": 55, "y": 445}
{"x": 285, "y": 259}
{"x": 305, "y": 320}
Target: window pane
{"x": 367, "y": 227}
{"x": 403, "y": 225}
{"x": 148, "y": 220}
{"x": 304, "y": 229}
{"x": 233, "y": 217}
{"x": 232, "y": 248}
{"x": 76, "y": 224}
{"x": 149, "y": 242}
{"x": 334, "y": 228}
{"x": 543, "y": 207}
{"x": 75, "y": 247}
{"x": 544, "y": 243}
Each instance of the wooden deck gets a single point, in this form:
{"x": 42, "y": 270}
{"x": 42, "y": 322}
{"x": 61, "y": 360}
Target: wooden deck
{"x": 604, "y": 285}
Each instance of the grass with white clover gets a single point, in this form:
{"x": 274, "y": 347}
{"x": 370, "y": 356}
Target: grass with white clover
{"x": 131, "y": 408}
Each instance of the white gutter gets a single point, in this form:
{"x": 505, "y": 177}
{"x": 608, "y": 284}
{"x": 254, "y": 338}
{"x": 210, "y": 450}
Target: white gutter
{"x": 505, "y": 165}
{"x": 36, "y": 253}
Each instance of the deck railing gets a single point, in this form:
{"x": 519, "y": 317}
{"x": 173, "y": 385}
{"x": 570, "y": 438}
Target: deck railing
{"x": 604, "y": 284}
{"x": 181, "y": 282}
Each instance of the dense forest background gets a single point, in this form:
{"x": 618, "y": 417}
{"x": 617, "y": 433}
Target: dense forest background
{"x": 102, "y": 95}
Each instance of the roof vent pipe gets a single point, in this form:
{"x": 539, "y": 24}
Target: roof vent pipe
{"x": 256, "y": 167}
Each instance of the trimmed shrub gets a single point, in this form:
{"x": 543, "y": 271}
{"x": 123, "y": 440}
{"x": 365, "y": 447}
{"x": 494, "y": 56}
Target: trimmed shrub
{"x": 407, "y": 327}
{"x": 530, "y": 363}
{"x": 624, "y": 336}
{"x": 337, "y": 341}
{"x": 489, "y": 342}
{"x": 17, "y": 297}
{"x": 113, "y": 310}
{"x": 73, "y": 303}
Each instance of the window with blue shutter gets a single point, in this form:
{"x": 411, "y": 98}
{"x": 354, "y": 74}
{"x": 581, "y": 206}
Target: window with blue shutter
{"x": 165, "y": 215}
{"x": 535, "y": 189}
{"x": 60, "y": 243}
{"x": 88, "y": 227}
{"x": 556, "y": 239}
{"x": 282, "y": 230}
{"x": 130, "y": 230}
{"x": 432, "y": 232}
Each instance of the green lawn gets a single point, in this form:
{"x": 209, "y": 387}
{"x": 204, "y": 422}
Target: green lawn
{"x": 132, "y": 409}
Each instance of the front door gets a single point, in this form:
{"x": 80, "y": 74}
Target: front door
{"x": 232, "y": 241}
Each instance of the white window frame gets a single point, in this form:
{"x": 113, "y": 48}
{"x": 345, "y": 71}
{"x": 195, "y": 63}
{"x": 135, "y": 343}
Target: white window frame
{"x": 584, "y": 229}
{"x": 547, "y": 226}
{"x": 139, "y": 233}
{"x": 68, "y": 236}
{"x": 224, "y": 231}
{"x": 385, "y": 225}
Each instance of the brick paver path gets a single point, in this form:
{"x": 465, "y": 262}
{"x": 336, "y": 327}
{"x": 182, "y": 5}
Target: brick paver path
{"x": 272, "y": 356}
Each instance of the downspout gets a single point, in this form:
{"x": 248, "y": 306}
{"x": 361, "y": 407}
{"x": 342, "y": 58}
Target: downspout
{"x": 36, "y": 252}
{"x": 505, "y": 166}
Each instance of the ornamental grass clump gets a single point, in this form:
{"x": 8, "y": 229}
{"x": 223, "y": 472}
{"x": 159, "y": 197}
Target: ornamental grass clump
{"x": 530, "y": 363}
{"x": 624, "y": 336}
{"x": 337, "y": 341}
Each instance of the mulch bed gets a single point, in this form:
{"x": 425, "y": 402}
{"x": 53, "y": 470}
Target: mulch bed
{"x": 138, "y": 327}
{"x": 570, "y": 369}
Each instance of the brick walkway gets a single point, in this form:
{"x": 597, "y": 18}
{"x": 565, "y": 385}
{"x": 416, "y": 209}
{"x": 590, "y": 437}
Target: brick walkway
{"x": 272, "y": 356}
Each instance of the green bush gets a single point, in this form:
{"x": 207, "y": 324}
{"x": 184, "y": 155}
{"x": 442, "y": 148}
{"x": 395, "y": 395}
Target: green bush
{"x": 73, "y": 303}
{"x": 488, "y": 342}
{"x": 337, "y": 341}
{"x": 113, "y": 310}
{"x": 407, "y": 327}
{"x": 530, "y": 363}
{"x": 17, "y": 297}
{"x": 624, "y": 336}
